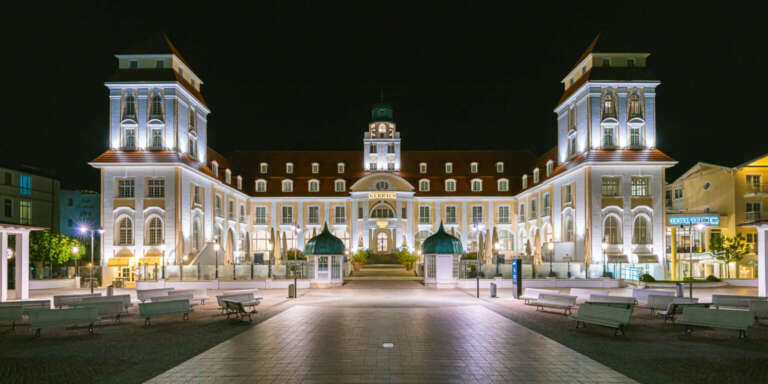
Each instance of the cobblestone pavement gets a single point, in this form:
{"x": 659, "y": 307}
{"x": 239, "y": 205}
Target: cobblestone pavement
{"x": 339, "y": 336}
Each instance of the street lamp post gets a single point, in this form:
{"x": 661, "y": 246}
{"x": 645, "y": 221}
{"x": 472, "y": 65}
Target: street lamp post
{"x": 295, "y": 265}
{"x": 605, "y": 259}
{"x": 551, "y": 247}
{"x": 478, "y": 228}
{"x": 75, "y": 250}
{"x": 84, "y": 229}
{"x": 216, "y": 248}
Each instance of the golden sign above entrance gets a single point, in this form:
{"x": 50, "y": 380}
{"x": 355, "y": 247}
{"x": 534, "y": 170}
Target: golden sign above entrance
{"x": 382, "y": 195}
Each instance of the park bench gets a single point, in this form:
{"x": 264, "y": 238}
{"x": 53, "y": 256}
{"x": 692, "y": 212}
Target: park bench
{"x": 661, "y": 302}
{"x": 146, "y": 294}
{"x": 159, "y": 308}
{"x": 612, "y": 299}
{"x": 734, "y": 301}
{"x": 12, "y": 314}
{"x": 563, "y": 302}
{"x": 66, "y": 300}
{"x": 676, "y": 307}
{"x": 630, "y": 306}
{"x": 28, "y": 304}
{"x": 583, "y": 294}
{"x": 125, "y": 300}
{"x": 716, "y": 318}
{"x": 184, "y": 296}
{"x": 760, "y": 308}
{"x": 237, "y": 310}
{"x": 604, "y": 315}
{"x": 643, "y": 294}
{"x": 69, "y": 317}
{"x": 197, "y": 295}
{"x": 532, "y": 294}
{"x": 248, "y": 299}
{"x": 105, "y": 309}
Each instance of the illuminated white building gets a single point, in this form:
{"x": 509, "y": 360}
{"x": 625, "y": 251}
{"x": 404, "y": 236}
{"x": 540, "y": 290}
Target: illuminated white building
{"x": 166, "y": 196}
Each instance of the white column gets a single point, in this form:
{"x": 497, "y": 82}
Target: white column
{"x": 762, "y": 261}
{"x": 22, "y": 266}
{"x": 3, "y": 267}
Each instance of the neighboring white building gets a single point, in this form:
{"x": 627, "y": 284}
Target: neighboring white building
{"x": 166, "y": 196}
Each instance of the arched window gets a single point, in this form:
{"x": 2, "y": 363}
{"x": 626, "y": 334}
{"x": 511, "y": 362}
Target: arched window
{"x": 192, "y": 150}
{"x": 382, "y": 185}
{"x": 525, "y": 181}
{"x": 129, "y": 107}
{"x": 215, "y": 168}
{"x": 125, "y": 231}
{"x": 197, "y": 235}
{"x": 611, "y": 230}
{"x": 450, "y": 185}
{"x": 228, "y": 176}
{"x": 314, "y": 186}
{"x": 550, "y": 167}
{"x": 287, "y": 186}
{"x": 521, "y": 213}
{"x": 568, "y": 228}
{"x": 156, "y": 107}
{"x": 420, "y": 237}
{"x": 641, "y": 233}
{"x": 609, "y": 105}
{"x": 382, "y": 211}
{"x": 477, "y": 185}
{"x": 261, "y": 186}
{"x": 423, "y": 185}
{"x": 155, "y": 231}
{"x": 503, "y": 185}
{"x": 635, "y": 109}
{"x": 535, "y": 175}
{"x": 506, "y": 241}
{"x": 339, "y": 185}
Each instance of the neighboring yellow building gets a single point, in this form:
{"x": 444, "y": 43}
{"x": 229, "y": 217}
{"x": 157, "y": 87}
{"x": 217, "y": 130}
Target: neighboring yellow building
{"x": 736, "y": 195}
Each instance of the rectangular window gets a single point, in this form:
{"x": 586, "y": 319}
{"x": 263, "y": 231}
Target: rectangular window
{"x": 260, "y": 216}
{"x": 640, "y": 187}
{"x": 157, "y": 139}
{"x": 156, "y": 188}
{"x": 263, "y": 167}
{"x": 242, "y": 213}
{"x": 547, "y": 208}
{"x": 477, "y": 214}
{"x": 521, "y": 213}
{"x": 217, "y": 207}
{"x": 678, "y": 193}
{"x": 606, "y": 62}
{"x": 287, "y": 214}
{"x": 532, "y": 210}
{"x": 25, "y": 212}
{"x": 231, "y": 210}
{"x": 8, "y": 206}
{"x": 503, "y": 214}
{"x": 372, "y": 148}
{"x": 133, "y": 64}
{"x": 753, "y": 181}
{"x": 424, "y": 214}
{"x": 610, "y": 186}
{"x": 340, "y": 168}
{"x": 572, "y": 145}
{"x": 448, "y": 167}
{"x": 315, "y": 168}
{"x": 25, "y": 185}
{"x": 340, "y": 215}
{"x": 391, "y": 148}
{"x": 372, "y": 166}
{"x": 630, "y": 63}
{"x": 634, "y": 137}
{"x": 450, "y": 214}
{"x": 125, "y": 188}
{"x": 314, "y": 215}
{"x": 473, "y": 167}
{"x": 423, "y": 168}
{"x": 390, "y": 166}
{"x": 568, "y": 194}
{"x": 608, "y": 137}
{"x": 359, "y": 212}
{"x": 499, "y": 167}
{"x": 339, "y": 186}
{"x": 289, "y": 168}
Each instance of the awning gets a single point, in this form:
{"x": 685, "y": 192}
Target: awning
{"x": 647, "y": 259}
{"x": 119, "y": 262}
{"x": 150, "y": 260}
{"x": 617, "y": 259}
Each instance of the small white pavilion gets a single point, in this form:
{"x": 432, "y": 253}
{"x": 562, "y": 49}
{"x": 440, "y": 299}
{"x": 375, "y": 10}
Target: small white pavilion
{"x": 21, "y": 255}
{"x": 442, "y": 254}
{"x": 762, "y": 258}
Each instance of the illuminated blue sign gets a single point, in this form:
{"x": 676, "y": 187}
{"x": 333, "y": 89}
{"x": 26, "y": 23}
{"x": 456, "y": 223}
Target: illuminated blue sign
{"x": 708, "y": 220}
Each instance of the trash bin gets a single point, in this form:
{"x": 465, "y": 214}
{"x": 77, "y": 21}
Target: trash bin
{"x": 291, "y": 291}
{"x": 110, "y": 290}
{"x": 679, "y": 289}
{"x": 493, "y": 289}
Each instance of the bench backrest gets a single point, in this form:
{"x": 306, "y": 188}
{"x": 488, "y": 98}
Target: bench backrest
{"x": 193, "y": 292}
{"x": 612, "y": 299}
{"x": 61, "y": 300}
{"x": 28, "y": 304}
{"x": 644, "y": 294}
{"x": 731, "y": 318}
{"x": 583, "y": 292}
{"x": 234, "y": 297}
{"x": 104, "y": 308}
{"x": 620, "y": 315}
{"x": 535, "y": 292}
{"x": 557, "y": 299}
{"x": 613, "y": 304}
{"x": 124, "y": 299}
{"x": 234, "y": 305}
{"x": 186, "y": 296}
{"x": 68, "y": 316}
{"x": 146, "y": 294}
{"x": 677, "y": 307}
{"x": 660, "y": 301}
{"x": 760, "y": 308}
{"x": 8, "y": 313}
{"x": 163, "y": 307}
{"x": 735, "y": 300}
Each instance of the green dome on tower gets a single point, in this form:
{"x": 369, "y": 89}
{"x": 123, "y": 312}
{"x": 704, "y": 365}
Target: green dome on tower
{"x": 442, "y": 243}
{"x": 324, "y": 244}
{"x": 382, "y": 112}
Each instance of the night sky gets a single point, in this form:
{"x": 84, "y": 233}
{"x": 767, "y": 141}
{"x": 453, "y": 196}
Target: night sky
{"x": 303, "y": 74}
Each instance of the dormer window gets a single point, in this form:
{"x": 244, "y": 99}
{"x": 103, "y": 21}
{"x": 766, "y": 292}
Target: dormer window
{"x": 261, "y": 186}
{"x": 477, "y": 185}
{"x": 502, "y": 185}
{"x": 263, "y": 167}
{"x": 449, "y": 167}
{"x": 315, "y": 167}
{"x": 240, "y": 182}
{"x": 473, "y": 167}
{"x": 450, "y": 185}
{"x": 339, "y": 185}
{"x": 340, "y": 168}
{"x": 525, "y": 181}
{"x": 550, "y": 167}
{"x": 630, "y": 62}
{"x": 500, "y": 167}
{"x": 535, "y": 175}
{"x": 314, "y": 186}
{"x": 228, "y": 176}
{"x": 422, "y": 168}
{"x": 289, "y": 168}
{"x": 215, "y": 168}
{"x": 423, "y": 185}
{"x": 287, "y": 186}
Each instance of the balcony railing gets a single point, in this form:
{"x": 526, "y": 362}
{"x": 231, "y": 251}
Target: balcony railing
{"x": 753, "y": 216}
{"x": 757, "y": 188}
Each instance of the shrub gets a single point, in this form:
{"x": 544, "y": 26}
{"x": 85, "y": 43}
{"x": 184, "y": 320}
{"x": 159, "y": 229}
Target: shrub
{"x": 404, "y": 256}
{"x": 646, "y": 278}
{"x": 295, "y": 253}
{"x": 469, "y": 256}
{"x": 713, "y": 279}
{"x": 360, "y": 256}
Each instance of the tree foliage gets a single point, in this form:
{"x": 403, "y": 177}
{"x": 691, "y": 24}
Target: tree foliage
{"x": 728, "y": 249}
{"x": 53, "y": 247}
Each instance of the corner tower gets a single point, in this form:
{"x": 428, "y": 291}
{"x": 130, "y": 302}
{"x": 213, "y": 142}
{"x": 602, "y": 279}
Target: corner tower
{"x": 381, "y": 143}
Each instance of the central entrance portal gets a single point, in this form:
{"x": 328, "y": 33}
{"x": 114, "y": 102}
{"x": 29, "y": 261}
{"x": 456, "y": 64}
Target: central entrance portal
{"x": 382, "y": 242}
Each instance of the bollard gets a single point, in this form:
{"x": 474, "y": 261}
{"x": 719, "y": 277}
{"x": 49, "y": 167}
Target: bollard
{"x": 493, "y": 289}
{"x": 291, "y": 291}
{"x": 110, "y": 290}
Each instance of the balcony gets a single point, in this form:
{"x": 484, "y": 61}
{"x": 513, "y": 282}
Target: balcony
{"x": 756, "y": 190}
{"x": 753, "y": 216}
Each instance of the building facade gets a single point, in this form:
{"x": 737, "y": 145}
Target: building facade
{"x": 29, "y": 198}
{"x": 78, "y": 208}
{"x": 167, "y": 197}
{"x": 736, "y": 196}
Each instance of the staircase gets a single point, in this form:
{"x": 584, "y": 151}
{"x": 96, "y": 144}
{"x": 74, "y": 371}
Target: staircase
{"x": 383, "y": 272}
{"x": 382, "y": 258}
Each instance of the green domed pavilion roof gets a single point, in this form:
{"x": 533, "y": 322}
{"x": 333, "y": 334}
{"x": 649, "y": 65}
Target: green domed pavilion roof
{"x": 324, "y": 244}
{"x": 382, "y": 112}
{"x": 442, "y": 243}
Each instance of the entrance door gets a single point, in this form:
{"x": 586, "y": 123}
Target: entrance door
{"x": 322, "y": 267}
{"x": 382, "y": 242}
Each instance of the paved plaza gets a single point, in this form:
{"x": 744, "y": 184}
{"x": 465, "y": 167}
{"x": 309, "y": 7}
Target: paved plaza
{"x": 436, "y": 335}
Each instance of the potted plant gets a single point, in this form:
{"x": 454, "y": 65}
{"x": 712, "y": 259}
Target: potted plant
{"x": 359, "y": 258}
{"x": 406, "y": 258}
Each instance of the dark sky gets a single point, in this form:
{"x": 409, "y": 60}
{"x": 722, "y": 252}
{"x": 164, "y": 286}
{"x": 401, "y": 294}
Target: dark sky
{"x": 303, "y": 74}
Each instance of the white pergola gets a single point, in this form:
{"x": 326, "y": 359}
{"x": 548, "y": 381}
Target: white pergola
{"x": 21, "y": 254}
{"x": 762, "y": 261}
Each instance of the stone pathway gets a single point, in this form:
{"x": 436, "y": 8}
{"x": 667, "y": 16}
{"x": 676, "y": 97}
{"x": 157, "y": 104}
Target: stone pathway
{"x": 338, "y": 336}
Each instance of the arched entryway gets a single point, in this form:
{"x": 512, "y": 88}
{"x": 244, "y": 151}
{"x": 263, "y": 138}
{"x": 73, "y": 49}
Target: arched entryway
{"x": 382, "y": 242}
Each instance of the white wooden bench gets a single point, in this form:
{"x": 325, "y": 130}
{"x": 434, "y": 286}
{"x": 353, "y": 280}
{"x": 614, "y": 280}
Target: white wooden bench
{"x": 105, "y": 309}
{"x": 154, "y": 309}
{"x": 604, "y": 315}
{"x": 199, "y": 295}
{"x": 629, "y": 306}
{"x": 532, "y": 294}
{"x": 69, "y": 317}
{"x": 760, "y": 308}
{"x": 28, "y": 304}
{"x": 583, "y": 294}
{"x": 124, "y": 299}
{"x": 661, "y": 302}
{"x": 716, "y": 318}
{"x": 643, "y": 294}
{"x": 676, "y": 307}
{"x": 146, "y": 294}
{"x": 12, "y": 314}
{"x": 734, "y": 301}
{"x": 182, "y": 296}
{"x": 563, "y": 302}
{"x": 248, "y": 299}
{"x": 612, "y": 299}
{"x": 237, "y": 310}
{"x": 65, "y": 300}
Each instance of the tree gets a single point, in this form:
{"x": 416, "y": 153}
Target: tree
{"x": 53, "y": 247}
{"x": 728, "y": 249}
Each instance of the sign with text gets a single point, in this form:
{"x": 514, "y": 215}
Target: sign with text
{"x": 711, "y": 220}
{"x": 382, "y": 195}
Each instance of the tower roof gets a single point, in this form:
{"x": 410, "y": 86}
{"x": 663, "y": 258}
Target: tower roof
{"x": 157, "y": 44}
{"x": 382, "y": 112}
{"x": 324, "y": 244}
{"x": 442, "y": 243}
